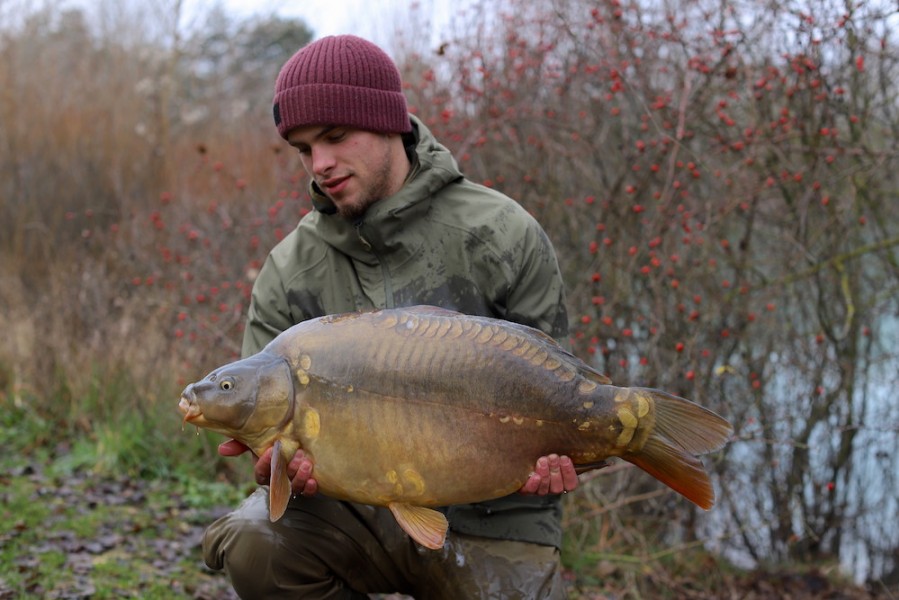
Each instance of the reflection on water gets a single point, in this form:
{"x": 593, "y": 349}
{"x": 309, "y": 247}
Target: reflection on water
{"x": 846, "y": 478}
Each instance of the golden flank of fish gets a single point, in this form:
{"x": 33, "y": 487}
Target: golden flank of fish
{"x": 399, "y": 408}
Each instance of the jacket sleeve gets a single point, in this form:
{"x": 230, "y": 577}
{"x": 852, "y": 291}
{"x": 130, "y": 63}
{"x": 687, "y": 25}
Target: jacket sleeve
{"x": 536, "y": 295}
{"x": 268, "y": 314}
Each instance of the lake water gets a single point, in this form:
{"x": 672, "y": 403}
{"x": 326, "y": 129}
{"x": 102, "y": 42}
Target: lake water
{"x": 868, "y": 498}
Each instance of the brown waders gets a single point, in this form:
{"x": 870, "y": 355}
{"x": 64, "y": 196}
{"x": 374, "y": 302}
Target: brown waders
{"x": 323, "y": 548}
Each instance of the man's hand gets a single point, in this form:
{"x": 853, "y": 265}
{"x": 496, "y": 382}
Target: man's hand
{"x": 299, "y": 470}
{"x": 552, "y": 475}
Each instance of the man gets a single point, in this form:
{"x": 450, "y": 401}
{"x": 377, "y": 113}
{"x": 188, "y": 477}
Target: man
{"x": 395, "y": 224}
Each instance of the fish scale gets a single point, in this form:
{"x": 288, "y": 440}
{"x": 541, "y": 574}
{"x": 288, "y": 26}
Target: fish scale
{"x": 401, "y": 407}
{"x": 420, "y": 328}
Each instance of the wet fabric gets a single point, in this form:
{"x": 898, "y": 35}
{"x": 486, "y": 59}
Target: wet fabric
{"x": 328, "y": 549}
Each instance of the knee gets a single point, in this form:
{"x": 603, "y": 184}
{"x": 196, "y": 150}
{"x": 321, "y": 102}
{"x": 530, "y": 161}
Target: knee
{"x": 300, "y": 556}
{"x": 242, "y": 542}
{"x": 236, "y": 535}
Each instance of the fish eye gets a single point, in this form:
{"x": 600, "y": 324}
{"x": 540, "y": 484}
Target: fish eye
{"x": 226, "y": 385}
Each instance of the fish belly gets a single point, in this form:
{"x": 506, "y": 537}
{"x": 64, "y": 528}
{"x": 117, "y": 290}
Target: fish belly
{"x": 422, "y": 453}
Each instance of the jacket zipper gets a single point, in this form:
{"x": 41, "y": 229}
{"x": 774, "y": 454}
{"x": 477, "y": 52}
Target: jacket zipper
{"x": 385, "y": 274}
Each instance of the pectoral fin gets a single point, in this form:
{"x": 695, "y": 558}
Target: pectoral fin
{"x": 424, "y": 525}
{"x": 279, "y": 486}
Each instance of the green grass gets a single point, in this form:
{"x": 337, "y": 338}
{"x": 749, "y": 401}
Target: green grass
{"x": 107, "y": 538}
{"x": 114, "y": 509}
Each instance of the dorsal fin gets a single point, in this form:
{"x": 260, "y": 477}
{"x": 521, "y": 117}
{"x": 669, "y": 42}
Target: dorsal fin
{"x": 594, "y": 376}
{"x": 426, "y": 309}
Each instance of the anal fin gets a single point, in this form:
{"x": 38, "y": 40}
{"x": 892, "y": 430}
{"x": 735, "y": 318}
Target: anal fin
{"x": 580, "y": 468}
{"x": 424, "y": 525}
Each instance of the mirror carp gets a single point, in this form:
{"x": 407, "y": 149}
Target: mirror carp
{"x": 421, "y": 407}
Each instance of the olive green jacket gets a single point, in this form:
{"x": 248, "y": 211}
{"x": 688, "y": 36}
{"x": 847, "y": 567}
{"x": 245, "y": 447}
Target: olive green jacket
{"x": 441, "y": 240}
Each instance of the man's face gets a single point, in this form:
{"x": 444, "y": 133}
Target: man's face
{"x": 354, "y": 168}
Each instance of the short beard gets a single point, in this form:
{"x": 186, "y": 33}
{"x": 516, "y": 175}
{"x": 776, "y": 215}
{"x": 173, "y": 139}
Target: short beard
{"x": 355, "y": 212}
{"x": 380, "y": 189}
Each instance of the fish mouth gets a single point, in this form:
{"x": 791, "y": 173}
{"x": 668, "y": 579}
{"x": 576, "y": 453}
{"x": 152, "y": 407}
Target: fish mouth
{"x": 191, "y": 410}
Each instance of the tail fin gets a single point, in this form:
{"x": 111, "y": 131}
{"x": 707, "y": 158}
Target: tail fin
{"x": 682, "y": 430}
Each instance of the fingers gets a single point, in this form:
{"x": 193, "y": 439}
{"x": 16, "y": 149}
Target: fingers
{"x": 300, "y": 471}
{"x": 531, "y": 485}
{"x": 555, "y": 485}
{"x": 263, "y": 468}
{"x": 552, "y": 475}
{"x": 232, "y": 448}
{"x": 568, "y": 473}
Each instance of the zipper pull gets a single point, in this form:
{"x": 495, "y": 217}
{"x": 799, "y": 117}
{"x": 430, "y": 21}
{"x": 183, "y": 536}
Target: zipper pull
{"x": 358, "y": 226}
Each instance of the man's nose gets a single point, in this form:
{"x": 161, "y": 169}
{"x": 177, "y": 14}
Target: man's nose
{"x": 322, "y": 161}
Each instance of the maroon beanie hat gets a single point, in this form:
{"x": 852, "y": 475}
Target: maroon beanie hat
{"x": 341, "y": 80}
